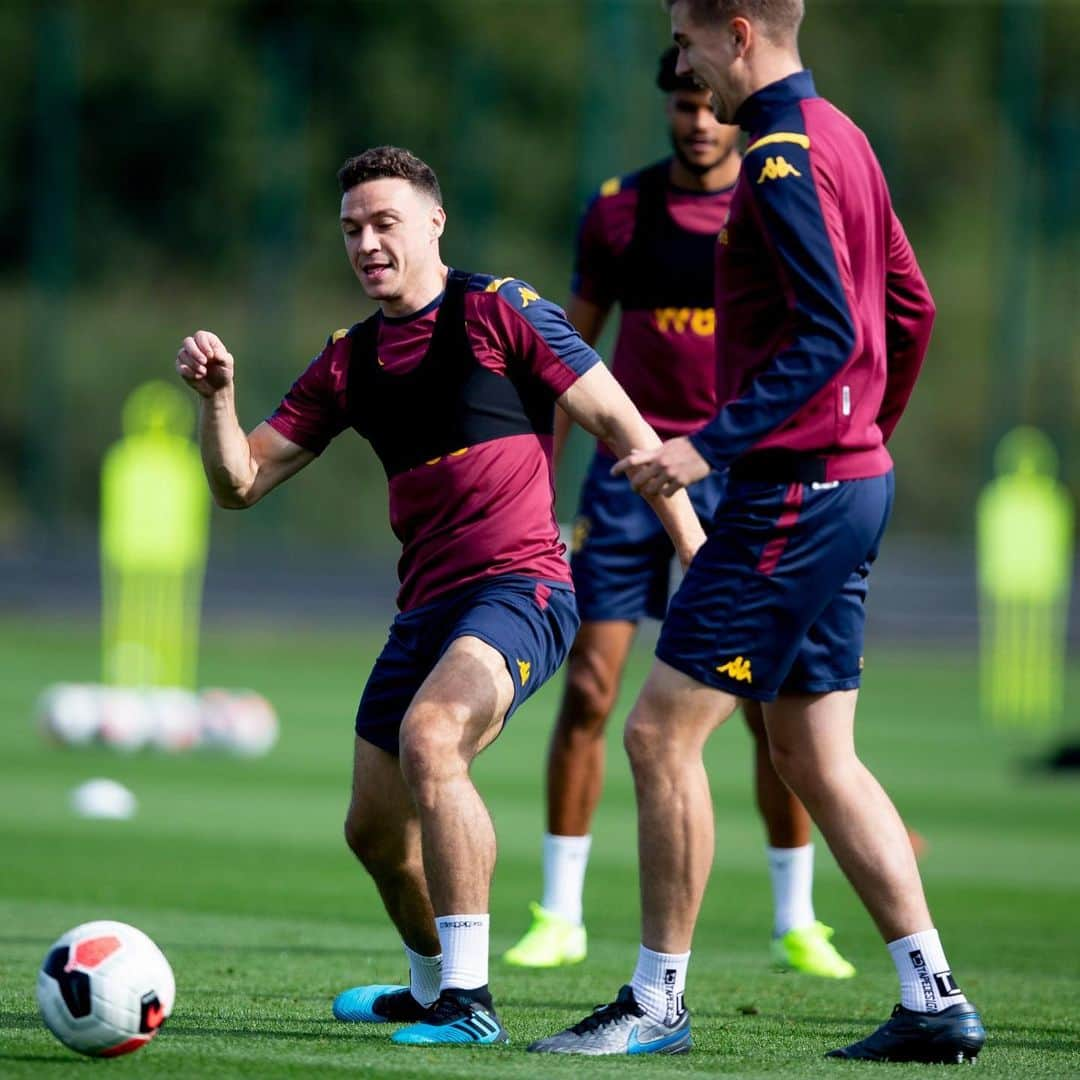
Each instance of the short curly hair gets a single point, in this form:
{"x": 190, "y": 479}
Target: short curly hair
{"x": 390, "y": 162}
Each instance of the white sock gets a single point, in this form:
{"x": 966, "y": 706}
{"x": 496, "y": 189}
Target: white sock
{"x": 565, "y": 860}
{"x": 425, "y": 975}
{"x": 926, "y": 982}
{"x": 792, "y": 873}
{"x": 464, "y": 940}
{"x": 659, "y": 984}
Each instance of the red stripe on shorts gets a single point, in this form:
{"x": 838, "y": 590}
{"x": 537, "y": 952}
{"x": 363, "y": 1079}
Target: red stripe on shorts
{"x": 541, "y": 595}
{"x": 771, "y": 552}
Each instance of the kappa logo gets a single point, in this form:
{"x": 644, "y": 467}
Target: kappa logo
{"x": 777, "y": 168}
{"x": 737, "y": 669}
{"x": 580, "y": 534}
{"x": 524, "y": 670}
{"x": 497, "y": 284}
{"x": 527, "y": 295}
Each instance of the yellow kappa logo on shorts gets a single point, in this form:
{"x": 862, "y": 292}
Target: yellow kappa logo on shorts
{"x": 737, "y": 669}
{"x": 524, "y": 669}
{"x": 580, "y": 534}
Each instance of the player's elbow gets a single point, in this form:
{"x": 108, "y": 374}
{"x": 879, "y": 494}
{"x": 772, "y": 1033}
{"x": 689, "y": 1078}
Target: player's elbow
{"x": 234, "y": 497}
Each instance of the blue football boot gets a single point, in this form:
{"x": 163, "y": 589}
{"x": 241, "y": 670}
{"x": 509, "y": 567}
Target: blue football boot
{"x": 378, "y": 1005}
{"x": 459, "y": 1017}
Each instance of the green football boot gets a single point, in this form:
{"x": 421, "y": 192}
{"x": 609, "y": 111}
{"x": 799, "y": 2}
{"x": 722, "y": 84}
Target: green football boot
{"x": 550, "y": 942}
{"x": 809, "y": 950}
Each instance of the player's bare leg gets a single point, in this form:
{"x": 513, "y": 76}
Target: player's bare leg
{"x": 813, "y": 745}
{"x": 813, "y": 748}
{"x": 382, "y": 828}
{"x": 575, "y": 779}
{"x": 799, "y": 942}
{"x": 457, "y": 711}
{"x": 664, "y": 737}
{"x": 787, "y": 824}
{"x": 575, "y": 769}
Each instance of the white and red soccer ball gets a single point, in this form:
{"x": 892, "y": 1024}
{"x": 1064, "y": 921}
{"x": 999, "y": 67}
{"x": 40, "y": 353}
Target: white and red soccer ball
{"x": 105, "y": 989}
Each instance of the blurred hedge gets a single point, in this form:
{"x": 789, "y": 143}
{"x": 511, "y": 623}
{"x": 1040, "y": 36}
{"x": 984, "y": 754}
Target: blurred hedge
{"x": 207, "y": 136}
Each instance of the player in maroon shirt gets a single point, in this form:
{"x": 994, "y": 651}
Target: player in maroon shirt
{"x": 453, "y": 380}
{"x": 823, "y": 320}
{"x": 647, "y": 243}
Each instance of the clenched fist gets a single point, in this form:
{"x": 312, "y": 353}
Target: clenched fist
{"x": 205, "y": 364}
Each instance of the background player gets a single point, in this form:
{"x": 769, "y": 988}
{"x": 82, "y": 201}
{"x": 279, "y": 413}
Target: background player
{"x": 453, "y": 381}
{"x": 823, "y": 320}
{"x": 647, "y": 242}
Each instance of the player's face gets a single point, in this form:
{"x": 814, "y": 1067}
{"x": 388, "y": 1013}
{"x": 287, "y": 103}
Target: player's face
{"x": 700, "y": 142}
{"x": 712, "y": 53}
{"x": 391, "y": 232}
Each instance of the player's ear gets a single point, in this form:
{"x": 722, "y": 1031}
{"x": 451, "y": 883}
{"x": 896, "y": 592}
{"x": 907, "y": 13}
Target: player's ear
{"x": 438, "y": 222}
{"x": 742, "y": 36}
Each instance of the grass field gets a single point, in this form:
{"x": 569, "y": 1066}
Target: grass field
{"x": 238, "y": 870}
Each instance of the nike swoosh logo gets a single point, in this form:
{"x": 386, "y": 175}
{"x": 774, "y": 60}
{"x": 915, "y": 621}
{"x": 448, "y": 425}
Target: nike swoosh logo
{"x": 635, "y": 1046}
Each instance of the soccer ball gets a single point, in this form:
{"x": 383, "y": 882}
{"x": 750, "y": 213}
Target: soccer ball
{"x": 105, "y": 989}
{"x": 70, "y": 713}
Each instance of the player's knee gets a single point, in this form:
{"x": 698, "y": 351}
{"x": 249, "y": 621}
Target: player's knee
{"x": 364, "y": 840}
{"x": 431, "y": 750}
{"x": 644, "y": 739}
{"x": 590, "y": 693}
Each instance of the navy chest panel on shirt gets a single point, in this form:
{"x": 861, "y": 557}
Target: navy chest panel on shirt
{"x": 447, "y": 402}
{"x": 664, "y": 265}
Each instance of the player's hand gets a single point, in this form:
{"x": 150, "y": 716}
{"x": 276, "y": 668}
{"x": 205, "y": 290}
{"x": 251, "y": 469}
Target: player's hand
{"x": 205, "y": 364}
{"x": 664, "y": 470}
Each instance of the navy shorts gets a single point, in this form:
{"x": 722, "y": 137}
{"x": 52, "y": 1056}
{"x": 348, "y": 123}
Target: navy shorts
{"x": 620, "y": 554}
{"x": 532, "y": 623}
{"x": 775, "y": 600}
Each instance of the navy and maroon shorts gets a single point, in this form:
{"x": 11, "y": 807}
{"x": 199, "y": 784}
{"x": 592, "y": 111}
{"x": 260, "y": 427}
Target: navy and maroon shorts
{"x": 622, "y": 557}
{"x": 775, "y": 600}
{"x": 531, "y": 623}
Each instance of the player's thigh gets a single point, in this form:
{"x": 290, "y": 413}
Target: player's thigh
{"x": 812, "y": 734}
{"x": 755, "y": 719}
{"x": 461, "y": 705}
{"x": 674, "y": 713}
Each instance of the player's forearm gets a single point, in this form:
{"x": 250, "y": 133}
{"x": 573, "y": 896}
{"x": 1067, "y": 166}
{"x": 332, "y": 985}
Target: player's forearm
{"x": 227, "y": 459}
{"x": 626, "y": 430}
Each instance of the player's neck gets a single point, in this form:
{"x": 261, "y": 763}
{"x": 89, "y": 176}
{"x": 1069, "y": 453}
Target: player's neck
{"x": 770, "y": 66}
{"x": 418, "y": 295}
{"x": 722, "y": 175}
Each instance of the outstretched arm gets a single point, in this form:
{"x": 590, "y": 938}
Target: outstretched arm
{"x": 240, "y": 468}
{"x": 588, "y": 319}
{"x": 600, "y": 405}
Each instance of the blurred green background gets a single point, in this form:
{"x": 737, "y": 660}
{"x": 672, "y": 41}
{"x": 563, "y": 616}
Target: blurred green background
{"x": 171, "y": 166}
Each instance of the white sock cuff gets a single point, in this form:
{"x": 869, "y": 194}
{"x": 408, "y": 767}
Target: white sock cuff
{"x": 464, "y": 940}
{"x": 789, "y": 854}
{"x": 659, "y": 983}
{"x": 926, "y": 980}
{"x": 425, "y": 975}
{"x": 565, "y": 861}
{"x": 570, "y": 845}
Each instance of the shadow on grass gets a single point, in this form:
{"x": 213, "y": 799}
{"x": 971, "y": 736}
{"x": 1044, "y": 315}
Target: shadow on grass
{"x": 319, "y": 1029}
{"x": 48, "y": 1059}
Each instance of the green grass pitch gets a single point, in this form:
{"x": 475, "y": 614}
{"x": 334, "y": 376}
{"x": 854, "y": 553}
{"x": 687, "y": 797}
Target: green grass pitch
{"x": 238, "y": 870}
